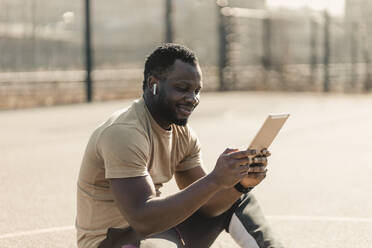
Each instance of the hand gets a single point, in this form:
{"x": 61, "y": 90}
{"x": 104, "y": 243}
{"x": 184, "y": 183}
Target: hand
{"x": 231, "y": 167}
{"x": 257, "y": 170}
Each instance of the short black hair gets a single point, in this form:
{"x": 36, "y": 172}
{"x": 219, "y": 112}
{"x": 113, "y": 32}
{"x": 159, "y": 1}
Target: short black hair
{"x": 161, "y": 60}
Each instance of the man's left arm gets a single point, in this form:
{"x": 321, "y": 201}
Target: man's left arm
{"x": 225, "y": 198}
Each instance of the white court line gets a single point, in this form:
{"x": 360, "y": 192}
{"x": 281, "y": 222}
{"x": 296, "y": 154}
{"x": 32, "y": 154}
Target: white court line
{"x": 38, "y": 231}
{"x": 270, "y": 217}
{"x": 319, "y": 218}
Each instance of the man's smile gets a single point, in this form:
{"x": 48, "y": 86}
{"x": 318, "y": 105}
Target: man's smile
{"x": 185, "y": 109}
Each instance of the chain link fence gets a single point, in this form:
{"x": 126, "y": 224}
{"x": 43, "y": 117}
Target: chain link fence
{"x": 242, "y": 45}
{"x": 42, "y": 46}
{"x": 292, "y": 50}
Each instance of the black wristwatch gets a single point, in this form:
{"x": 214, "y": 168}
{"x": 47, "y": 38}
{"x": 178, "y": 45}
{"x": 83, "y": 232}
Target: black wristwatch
{"x": 242, "y": 189}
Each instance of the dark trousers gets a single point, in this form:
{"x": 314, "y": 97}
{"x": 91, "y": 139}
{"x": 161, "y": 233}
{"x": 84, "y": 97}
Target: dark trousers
{"x": 198, "y": 231}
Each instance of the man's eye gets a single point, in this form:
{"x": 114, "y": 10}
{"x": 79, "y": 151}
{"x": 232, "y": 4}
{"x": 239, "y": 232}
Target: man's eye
{"x": 181, "y": 89}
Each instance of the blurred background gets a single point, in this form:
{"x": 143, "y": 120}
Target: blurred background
{"x": 76, "y": 51}
{"x": 310, "y": 58}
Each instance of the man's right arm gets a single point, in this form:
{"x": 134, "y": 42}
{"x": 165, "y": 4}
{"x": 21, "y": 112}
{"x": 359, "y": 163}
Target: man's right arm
{"x": 148, "y": 214}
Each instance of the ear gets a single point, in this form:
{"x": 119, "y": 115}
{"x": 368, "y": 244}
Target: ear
{"x": 151, "y": 80}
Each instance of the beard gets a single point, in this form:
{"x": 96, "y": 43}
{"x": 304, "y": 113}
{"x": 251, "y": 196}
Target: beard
{"x": 168, "y": 112}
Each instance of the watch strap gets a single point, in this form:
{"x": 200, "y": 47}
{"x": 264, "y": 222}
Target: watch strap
{"x": 239, "y": 187}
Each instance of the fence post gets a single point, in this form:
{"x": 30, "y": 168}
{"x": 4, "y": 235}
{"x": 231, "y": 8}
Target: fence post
{"x": 266, "y": 41}
{"x": 313, "y": 48}
{"x": 168, "y": 21}
{"x": 88, "y": 52}
{"x": 367, "y": 85}
{"x": 222, "y": 46}
{"x": 368, "y": 80}
{"x": 33, "y": 8}
{"x": 354, "y": 53}
{"x": 327, "y": 51}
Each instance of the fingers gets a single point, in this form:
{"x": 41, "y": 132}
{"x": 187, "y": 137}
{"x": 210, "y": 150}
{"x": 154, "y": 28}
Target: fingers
{"x": 265, "y": 152}
{"x": 243, "y": 154}
{"x": 257, "y": 169}
{"x": 253, "y": 175}
{"x": 258, "y": 175}
{"x": 248, "y": 170}
{"x": 235, "y": 153}
{"x": 242, "y": 163}
{"x": 238, "y": 158}
{"x": 243, "y": 170}
{"x": 259, "y": 160}
{"x": 252, "y": 152}
{"x": 234, "y": 165}
{"x": 229, "y": 150}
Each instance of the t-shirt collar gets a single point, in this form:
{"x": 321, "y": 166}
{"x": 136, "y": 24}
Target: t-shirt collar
{"x": 157, "y": 128}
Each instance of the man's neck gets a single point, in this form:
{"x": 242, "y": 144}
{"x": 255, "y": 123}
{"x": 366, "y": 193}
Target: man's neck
{"x": 151, "y": 106}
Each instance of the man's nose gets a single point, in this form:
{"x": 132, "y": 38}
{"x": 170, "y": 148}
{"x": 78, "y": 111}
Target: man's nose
{"x": 193, "y": 98}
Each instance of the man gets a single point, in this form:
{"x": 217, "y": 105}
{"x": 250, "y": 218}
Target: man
{"x": 137, "y": 149}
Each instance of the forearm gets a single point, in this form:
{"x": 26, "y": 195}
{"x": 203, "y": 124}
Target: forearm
{"x": 220, "y": 202}
{"x": 161, "y": 213}
{"x": 225, "y": 198}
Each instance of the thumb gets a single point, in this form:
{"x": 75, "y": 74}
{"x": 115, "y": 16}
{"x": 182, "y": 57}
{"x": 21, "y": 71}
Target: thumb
{"x": 230, "y": 150}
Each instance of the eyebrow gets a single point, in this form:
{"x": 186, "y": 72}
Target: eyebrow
{"x": 189, "y": 83}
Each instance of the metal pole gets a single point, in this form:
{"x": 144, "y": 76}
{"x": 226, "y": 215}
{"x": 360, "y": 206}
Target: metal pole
{"x": 33, "y": 35}
{"x": 266, "y": 40}
{"x": 313, "y": 50}
{"x": 88, "y": 53}
{"x": 222, "y": 57}
{"x": 367, "y": 82}
{"x": 354, "y": 53}
{"x": 168, "y": 21}
{"x": 327, "y": 51}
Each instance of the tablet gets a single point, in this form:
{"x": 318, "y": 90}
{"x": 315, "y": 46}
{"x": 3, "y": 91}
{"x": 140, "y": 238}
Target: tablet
{"x": 268, "y": 131}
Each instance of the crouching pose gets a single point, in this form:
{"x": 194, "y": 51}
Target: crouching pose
{"x": 138, "y": 149}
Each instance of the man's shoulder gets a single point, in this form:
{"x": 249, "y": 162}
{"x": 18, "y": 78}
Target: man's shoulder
{"x": 132, "y": 114}
{"x": 125, "y": 124}
{"x": 121, "y": 141}
{"x": 124, "y": 132}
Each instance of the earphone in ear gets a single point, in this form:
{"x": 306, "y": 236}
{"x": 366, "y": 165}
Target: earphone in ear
{"x": 154, "y": 89}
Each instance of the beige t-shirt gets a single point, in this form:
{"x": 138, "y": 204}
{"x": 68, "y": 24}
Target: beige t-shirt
{"x": 129, "y": 144}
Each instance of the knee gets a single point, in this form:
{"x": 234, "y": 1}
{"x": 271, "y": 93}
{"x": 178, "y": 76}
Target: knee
{"x": 157, "y": 243}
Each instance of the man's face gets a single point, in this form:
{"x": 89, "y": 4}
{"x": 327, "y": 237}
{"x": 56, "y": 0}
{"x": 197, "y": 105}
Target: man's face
{"x": 179, "y": 93}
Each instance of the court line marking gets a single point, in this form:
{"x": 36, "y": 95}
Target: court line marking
{"x": 318, "y": 218}
{"x": 270, "y": 217}
{"x": 37, "y": 231}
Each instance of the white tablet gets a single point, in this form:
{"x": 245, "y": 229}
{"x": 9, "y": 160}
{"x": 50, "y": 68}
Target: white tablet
{"x": 268, "y": 131}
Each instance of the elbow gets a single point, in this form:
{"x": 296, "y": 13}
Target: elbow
{"x": 143, "y": 228}
{"x": 145, "y": 222}
{"x": 142, "y": 231}
{"x": 210, "y": 212}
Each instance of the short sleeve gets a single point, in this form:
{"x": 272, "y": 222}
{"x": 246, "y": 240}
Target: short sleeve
{"x": 193, "y": 157}
{"x": 124, "y": 150}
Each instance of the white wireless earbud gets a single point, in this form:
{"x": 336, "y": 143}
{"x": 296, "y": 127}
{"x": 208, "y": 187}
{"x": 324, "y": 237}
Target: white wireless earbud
{"x": 154, "y": 89}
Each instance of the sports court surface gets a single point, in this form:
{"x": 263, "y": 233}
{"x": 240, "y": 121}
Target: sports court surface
{"x": 318, "y": 192}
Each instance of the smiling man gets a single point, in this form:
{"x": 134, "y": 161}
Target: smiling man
{"x": 138, "y": 149}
